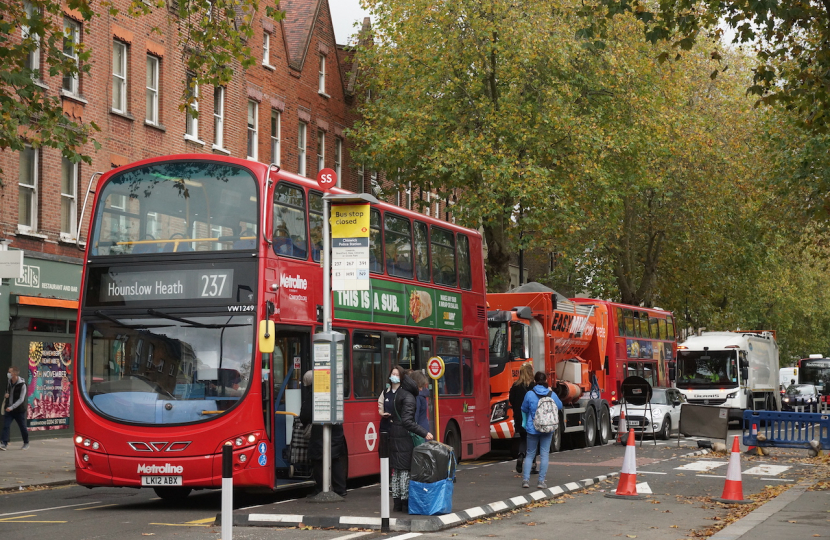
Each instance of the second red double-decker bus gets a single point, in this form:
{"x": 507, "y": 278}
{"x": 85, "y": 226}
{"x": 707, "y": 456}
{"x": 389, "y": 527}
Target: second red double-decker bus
{"x": 185, "y": 255}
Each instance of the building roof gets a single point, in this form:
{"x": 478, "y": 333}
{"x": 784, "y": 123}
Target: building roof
{"x": 298, "y": 22}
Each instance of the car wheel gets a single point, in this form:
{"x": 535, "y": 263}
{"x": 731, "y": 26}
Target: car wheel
{"x": 665, "y": 430}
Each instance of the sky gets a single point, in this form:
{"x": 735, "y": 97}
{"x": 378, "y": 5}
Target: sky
{"x": 343, "y": 15}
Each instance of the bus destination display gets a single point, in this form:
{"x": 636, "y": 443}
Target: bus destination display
{"x": 166, "y": 285}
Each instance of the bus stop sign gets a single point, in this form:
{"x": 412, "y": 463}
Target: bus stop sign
{"x": 326, "y": 179}
{"x": 435, "y": 368}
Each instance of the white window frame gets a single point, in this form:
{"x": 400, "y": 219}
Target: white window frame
{"x": 219, "y": 118}
{"x": 33, "y": 61}
{"x": 120, "y": 77}
{"x": 266, "y": 49}
{"x": 191, "y": 123}
{"x": 72, "y": 233}
{"x": 361, "y": 179}
{"x": 321, "y": 150}
{"x": 151, "y": 116}
{"x": 276, "y": 135}
{"x": 429, "y": 206}
{"x": 30, "y": 227}
{"x": 302, "y": 133}
{"x": 338, "y": 159}
{"x": 321, "y": 80}
{"x": 252, "y": 149}
{"x": 71, "y": 31}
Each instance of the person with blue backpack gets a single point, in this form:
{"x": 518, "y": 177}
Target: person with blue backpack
{"x": 540, "y": 417}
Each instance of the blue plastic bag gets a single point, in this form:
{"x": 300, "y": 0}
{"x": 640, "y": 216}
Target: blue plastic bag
{"x": 430, "y": 499}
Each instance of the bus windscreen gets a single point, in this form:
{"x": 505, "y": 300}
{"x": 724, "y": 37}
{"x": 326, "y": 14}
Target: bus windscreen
{"x": 174, "y": 207}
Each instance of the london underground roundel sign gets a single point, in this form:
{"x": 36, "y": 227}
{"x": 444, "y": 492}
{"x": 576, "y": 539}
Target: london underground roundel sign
{"x": 435, "y": 368}
{"x": 326, "y": 179}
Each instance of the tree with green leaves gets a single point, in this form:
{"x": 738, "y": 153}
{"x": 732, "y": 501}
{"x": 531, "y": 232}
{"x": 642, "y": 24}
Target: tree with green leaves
{"x": 212, "y": 37}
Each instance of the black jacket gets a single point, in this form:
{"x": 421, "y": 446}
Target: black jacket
{"x": 402, "y": 423}
{"x": 517, "y": 397}
{"x": 315, "y": 443}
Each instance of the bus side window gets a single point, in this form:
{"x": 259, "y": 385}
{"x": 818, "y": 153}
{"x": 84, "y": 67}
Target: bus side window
{"x": 442, "y": 246}
{"x": 315, "y": 223}
{"x": 467, "y": 366}
{"x": 398, "y": 238}
{"x": 407, "y": 353}
{"x": 448, "y": 350}
{"x": 654, "y": 327}
{"x": 421, "y": 251}
{"x": 465, "y": 274}
{"x": 643, "y": 318}
{"x": 620, "y": 322}
{"x": 289, "y": 235}
{"x": 630, "y": 330}
{"x": 662, "y": 328}
{"x": 670, "y": 328}
{"x": 375, "y": 244}
{"x": 369, "y": 380}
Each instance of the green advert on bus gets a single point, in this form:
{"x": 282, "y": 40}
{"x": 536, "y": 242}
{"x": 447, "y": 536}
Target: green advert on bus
{"x": 397, "y": 303}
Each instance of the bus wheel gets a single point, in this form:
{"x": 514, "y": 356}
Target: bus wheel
{"x": 604, "y": 426}
{"x": 590, "y": 425}
{"x": 453, "y": 438}
{"x": 172, "y": 493}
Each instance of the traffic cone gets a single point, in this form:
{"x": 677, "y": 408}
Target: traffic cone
{"x": 627, "y": 486}
{"x": 754, "y": 448}
{"x": 733, "y": 491}
{"x": 622, "y": 427}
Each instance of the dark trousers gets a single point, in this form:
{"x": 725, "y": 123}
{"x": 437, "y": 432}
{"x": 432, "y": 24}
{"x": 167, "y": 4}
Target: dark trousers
{"x": 338, "y": 475}
{"x": 20, "y": 418}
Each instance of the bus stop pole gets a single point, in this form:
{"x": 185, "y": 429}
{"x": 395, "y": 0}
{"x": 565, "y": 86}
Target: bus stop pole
{"x": 326, "y": 329}
{"x": 227, "y": 492}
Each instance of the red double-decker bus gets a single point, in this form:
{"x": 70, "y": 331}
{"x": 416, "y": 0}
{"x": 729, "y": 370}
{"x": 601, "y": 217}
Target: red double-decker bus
{"x": 641, "y": 341}
{"x": 185, "y": 255}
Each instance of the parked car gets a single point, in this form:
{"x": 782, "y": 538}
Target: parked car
{"x": 800, "y": 395}
{"x": 661, "y": 420}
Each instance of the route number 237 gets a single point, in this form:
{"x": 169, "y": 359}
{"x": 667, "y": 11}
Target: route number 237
{"x": 213, "y": 285}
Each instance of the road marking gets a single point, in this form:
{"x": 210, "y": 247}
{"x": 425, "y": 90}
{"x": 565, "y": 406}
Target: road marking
{"x": 779, "y": 479}
{"x": 94, "y": 507}
{"x": 406, "y": 536}
{"x": 767, "y": 470}
{"x": 644, "y": 489}
{"x": 701, "y": 466}
{"x": 353, "y": 535}
{"x": 52, "y": 508}
{"x": 205, "y": 520}
{"x": 710, "y": 476}
{"x": 182, "y": 524}
{"x": 650, "y": 472}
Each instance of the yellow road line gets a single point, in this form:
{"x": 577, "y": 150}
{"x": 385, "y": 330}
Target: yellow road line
{"x": 21, "y": 519}
{"x": 94, "y": 507}
{"x": 206, "y": 520}
{"x": 17, "y": 517}
{"x": 181, "y": 524}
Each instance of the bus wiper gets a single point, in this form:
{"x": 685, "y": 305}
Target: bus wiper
{"x": 190, "y": 323}
{"x": 130, "y": 326}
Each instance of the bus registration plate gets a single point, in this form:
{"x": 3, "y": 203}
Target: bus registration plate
{"x": 630, "y": 423}
{"x": 161, "y": 480}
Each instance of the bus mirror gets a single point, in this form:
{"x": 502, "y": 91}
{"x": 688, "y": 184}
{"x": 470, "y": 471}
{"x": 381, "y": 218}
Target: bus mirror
{"x": 672, "y": 373}
{"x": 266, "y": 337}
{"x": 745, "y": 373}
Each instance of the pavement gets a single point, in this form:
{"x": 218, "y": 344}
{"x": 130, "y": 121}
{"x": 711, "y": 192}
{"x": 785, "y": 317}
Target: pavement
{"x": 801, "y": 511}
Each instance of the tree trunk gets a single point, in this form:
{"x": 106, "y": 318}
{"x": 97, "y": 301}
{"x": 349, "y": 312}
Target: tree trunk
{"x": 498, "y": 257}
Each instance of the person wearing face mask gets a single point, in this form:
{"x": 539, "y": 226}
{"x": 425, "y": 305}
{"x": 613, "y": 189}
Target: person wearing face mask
{"x": 387, "y": 397}
{"x": 402, "y": 423}
{"x": 15, "y": 409}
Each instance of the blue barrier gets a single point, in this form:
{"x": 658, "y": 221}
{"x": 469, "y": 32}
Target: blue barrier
{"x": 786, "y": 429}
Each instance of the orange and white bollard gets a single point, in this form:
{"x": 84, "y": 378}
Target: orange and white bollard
{"x": 622, "y": 427}
{"x": 733, "y": 491}
{"x": 627, "y": 486}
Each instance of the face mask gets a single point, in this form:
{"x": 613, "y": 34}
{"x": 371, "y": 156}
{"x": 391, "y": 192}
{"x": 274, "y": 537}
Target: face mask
{"x": 394, "y": 379}
{"x": 9, "y": 375}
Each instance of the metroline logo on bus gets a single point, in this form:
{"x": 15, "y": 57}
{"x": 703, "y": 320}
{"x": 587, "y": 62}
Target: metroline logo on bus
{"x": 160, "y": 469}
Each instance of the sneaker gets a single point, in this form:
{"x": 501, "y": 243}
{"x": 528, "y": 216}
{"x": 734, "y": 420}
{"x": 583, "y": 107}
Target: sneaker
{"x": 25, "y": 446}
{"x": 3, "y": 447}
{"x": 541, "y": 485}
{"x": 525, "y": 484}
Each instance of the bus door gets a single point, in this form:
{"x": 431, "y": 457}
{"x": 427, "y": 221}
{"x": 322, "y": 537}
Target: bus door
{"x": 291, "y": 358}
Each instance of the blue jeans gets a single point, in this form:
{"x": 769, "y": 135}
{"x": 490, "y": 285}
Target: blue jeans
{"x": 20, "y": 417}
{"x": 542, "y": 440}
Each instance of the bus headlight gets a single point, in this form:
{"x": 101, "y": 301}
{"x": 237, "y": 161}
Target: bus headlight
{"x": 251, "y": 439}
{"x": 239, "y": 441}
{"x": 731, "y": 395}
{"x": 499, "y": 411}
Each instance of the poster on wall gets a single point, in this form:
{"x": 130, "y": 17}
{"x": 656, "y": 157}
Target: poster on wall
{"x": 48, "y": 385}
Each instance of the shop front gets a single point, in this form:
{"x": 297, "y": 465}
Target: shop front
{"x": 38, "y": 316}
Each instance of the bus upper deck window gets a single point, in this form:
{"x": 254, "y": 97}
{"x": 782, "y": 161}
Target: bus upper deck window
{"x": 375, "y": 243}
{"x": 398, "y": 237}
{"x": 421, "y": 251}
{"x": 289, "y": 221}
{"x": 465, "y": 277}
{"x": 315, "y": 223}
{"x": 443, "y": 256}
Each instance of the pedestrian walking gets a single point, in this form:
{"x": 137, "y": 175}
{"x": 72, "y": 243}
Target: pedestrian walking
{"x": 421, "y": 402}
{"x": 315, "y": 443}
{"x": 402, "y": 424}
{"x": 521, "y": 387}
{"x": 16, "y": 409}
{"x": 539, "y": 408}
